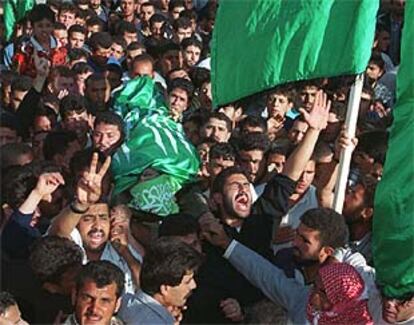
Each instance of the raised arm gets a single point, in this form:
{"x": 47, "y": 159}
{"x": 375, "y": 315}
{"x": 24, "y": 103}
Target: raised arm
{"x": 88, "y": 192}
{"x": 317, "y": 120}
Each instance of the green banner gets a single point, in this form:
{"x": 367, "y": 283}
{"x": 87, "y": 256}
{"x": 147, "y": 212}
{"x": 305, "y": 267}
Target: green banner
{"x": 258, "y": 44}
{"x": 14, "y": 10}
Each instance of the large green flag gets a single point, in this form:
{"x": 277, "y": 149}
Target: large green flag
{"x": 258, "y": 44}
{"x": 393, "y": 225}
{"x": 14, "y": 10}
{"x": 153, "y": 140}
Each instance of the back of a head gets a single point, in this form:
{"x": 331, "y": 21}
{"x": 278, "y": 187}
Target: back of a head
{"x": 100, "y": 40}
{"x": 255, "y": 141}
{"x": 11, "y": 154}
{"x": 57, "y": 142}
{"x": 333, "y": 230}
{"x": 52, "y": 256}
{"x": 178, "y": 225}
{"x": 17, "y": 185}
{"x": 72, "y": 103}
{"x": 102, "y": 273}
{"x": 40, "y": 12}
{"x": 166, "y": 262}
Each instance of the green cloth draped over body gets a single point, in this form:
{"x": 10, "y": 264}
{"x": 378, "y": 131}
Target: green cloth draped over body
{"x": 258, "y": 44}
{"x": 14, "y": 10}
{"x": 393, "y": 225}
{"x": 153, "y": 140}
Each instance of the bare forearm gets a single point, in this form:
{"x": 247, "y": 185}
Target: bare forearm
{"x": 300, "y": 156}
{"x": 30, "y": 204}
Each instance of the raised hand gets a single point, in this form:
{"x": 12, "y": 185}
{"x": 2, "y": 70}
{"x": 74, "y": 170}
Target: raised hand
{"x": 317, "y": 118}
{"x": 48, "y": 183}
{"x": 343, "y": 142}
{"x": 89, "y": 187}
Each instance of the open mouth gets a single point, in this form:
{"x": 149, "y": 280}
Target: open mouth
{"x": 242, "y": 201}
{"x": 96, "y": 237}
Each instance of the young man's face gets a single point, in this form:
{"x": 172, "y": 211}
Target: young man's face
{"x": 64, "y": 83}
{"x": 277, "y": 105}
{"x": 307, "y": 244}
{"x": 178, "y": 100}
{"x": 76, "y": 122}
{"x": 175, "y": 13}
{"x": 101, "y": 55}
{"x": 98, "y": 92}
{"x": 156, "y": 29}
{"x": 42, "y": 30}
{"x": 397, "y": 311}
{"x": 191, "y": 55}
{"x": 373, "y": 71}
{"x": 216, "y": 129}
{"x": 117, "y": 51}
{"x": 297, "y": 132}
{"x": 306, "y": 178}
{"x": 94, "y": 305}
{"x": 12, "y": 315}
{"x": 177, "y": 296}
{"x": 307, "y": 96}
{"x": 142, "y": 68}
{"x": 94, "y": 228}
{"x": 253, "y": 164}
{"x": 67, "y": 18}
{"x": 236, "y": 197}
{"x": 172, "y": 59}
{"x": 276, "y": 162}
{"x": 184, "y": 33}
{"x": 106, "y": 136}
{"x": 128, "y": 7}
{"x": 130, "y": 37}
{"x": 146, "y": 13}
{"x": 354, "y": 203}
{"x": 76, "y": 40}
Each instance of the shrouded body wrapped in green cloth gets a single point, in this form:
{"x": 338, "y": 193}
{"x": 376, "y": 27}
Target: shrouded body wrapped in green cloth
{"x": 153, "y": 140}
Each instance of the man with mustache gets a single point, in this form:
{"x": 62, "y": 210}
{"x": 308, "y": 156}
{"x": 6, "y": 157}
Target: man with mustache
{"x": 87, "y": 222}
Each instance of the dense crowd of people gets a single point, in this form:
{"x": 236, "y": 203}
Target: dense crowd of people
{"x": 243, "y": 230}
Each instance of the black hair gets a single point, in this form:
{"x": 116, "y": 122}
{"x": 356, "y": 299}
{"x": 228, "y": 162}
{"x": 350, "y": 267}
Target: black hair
{"x": 183, "y": 84}
{"x": 255, "y": 141}
{"x": 6, "y": 300}
{"x": 72, "y": 103}
{"x": 166, "y": 262}
{"x": 374, "y": 143}
{"x": 112, "y": 119}
{"x": 40, "y": 12}
{"x": 191, "y": 41}
{"x": 222, "y": 150}
{"x": 120, "y": 41}
{"x": 59, "y": 26}
{"x": 11, "y": 152}
{"x": 175, "y": 3}
{"x": 178, "y": 225}
{"x": 199, "y": 76}
{"x": 135, "y": 46}
{"x": 190, "y": 14}
{"x": 67, "y": 6}
{"x": 57, "y": 142}
{"x": 144, "y": 57}
{"x": 220, "y": 180}
{"x": 22, "y": 83}
{"x": 222, "y": 117}
{"x": 17, "y": 185}
{"x": 157, "y": 18}
{"x": 182, "y": 22}
{"x": 333, "y": 230}
{"x": 253, "y": 121}
{"x": 103, "y": 273}
{"x": 52, "y": 256}
{"x": 77, "y": 29}
{"x": 100, "y": 40}
{"x": 95, "y": 20}
{"x": 377, "y": 59}
{"x": 81, "y": 68}
{"x": 77, "y": 54}
{"x": 125, "y": 27}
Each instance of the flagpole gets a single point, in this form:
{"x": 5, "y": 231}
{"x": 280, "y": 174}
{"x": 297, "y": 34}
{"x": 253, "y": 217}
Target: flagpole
{"x": 350, "y": 128}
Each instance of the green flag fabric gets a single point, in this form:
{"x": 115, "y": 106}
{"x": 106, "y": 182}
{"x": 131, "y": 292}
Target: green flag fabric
{"x": 14, "y": 10}
{"x": 153, "y": 140}
{"x": 258, "y": 44}
{"x": 393, "y": 225}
